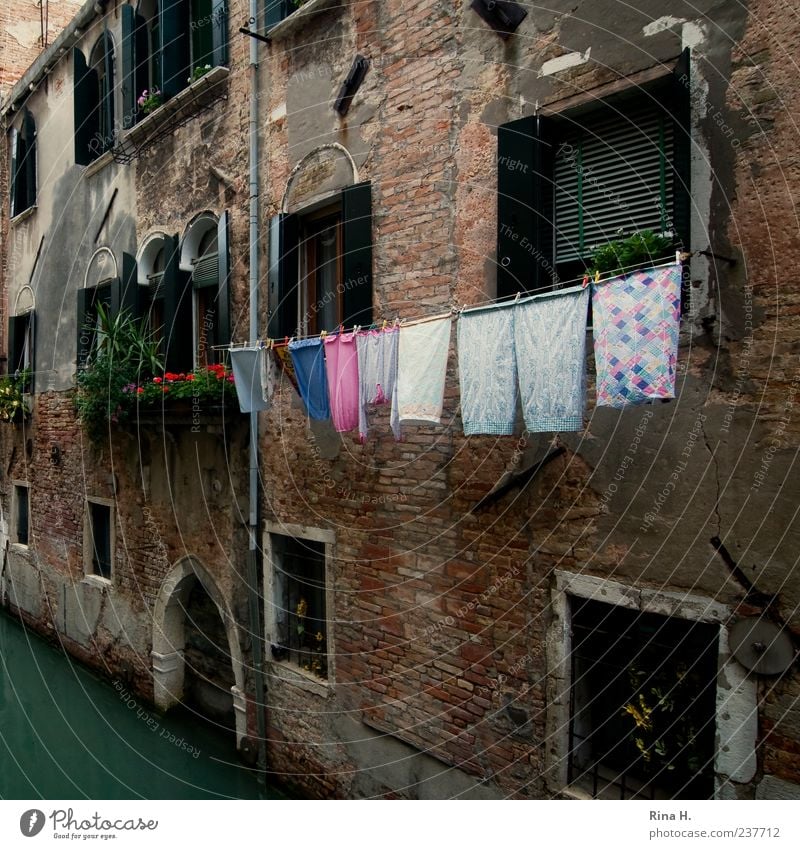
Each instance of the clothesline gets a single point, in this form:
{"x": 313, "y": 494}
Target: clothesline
{"x": 455, "y": 312}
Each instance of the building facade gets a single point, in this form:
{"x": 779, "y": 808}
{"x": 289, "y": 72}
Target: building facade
{"x": 444, "y": 615}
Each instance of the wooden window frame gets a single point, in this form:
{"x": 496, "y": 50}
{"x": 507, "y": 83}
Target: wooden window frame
{"x": 310, "y": 228}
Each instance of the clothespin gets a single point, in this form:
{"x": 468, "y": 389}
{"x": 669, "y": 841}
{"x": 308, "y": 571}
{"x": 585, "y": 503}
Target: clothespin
{"x": 384, "y": 325}
{"x": 323, "y": 334}
{"x": 516, "y": 297}
{"x": 596, "y": 277}
{"x": 585, "y": 281}
{"x": 678, "y": 257}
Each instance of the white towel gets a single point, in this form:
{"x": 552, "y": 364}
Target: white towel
{"x": 422, "y": 365}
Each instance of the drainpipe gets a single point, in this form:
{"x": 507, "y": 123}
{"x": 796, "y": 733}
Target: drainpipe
{"x": 252, "y": 555}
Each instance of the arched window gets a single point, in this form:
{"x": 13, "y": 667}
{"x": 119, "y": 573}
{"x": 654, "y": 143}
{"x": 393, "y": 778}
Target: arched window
{"x": 94, "y": 100}
{"x": 21, "y": 342}
{"x": 151, "y": 266}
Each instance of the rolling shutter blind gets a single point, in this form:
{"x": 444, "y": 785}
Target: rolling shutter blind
{"x": 206, "y": 271}
{"x": 613, "y": 177}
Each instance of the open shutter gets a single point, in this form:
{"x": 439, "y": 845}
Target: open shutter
{"x": 223, "y": 322}
{"x": 15, "y": 154}
{"x": 29, "y": 164}
{"x": 178, "y": 336}
{"x": 124, "y": 290}
{"x": 108, "y": 92}
{"x": 83, "y": 315}
{"x": 174, "y": 32}
{"x": 357, "y": 224}
{"x": 524, "y": 206}
{"x": 277, "y": 10}
{"x": 219, "y": 18}
{"x": 283, "y": 268}
{"x": 17, "y": 326}
{"x": 129, "y": 66}
{"x": 85, "y": 112}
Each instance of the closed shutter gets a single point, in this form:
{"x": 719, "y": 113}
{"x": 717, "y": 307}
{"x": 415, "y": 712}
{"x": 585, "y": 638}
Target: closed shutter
{"x": 202, "y": 33}
{"x": 219, "y": 15}
{"x": 524, "y": 206}
{"x": 130, "y": 90}
{"x": 178, "y": 335}
{"x": 357, "y": 261}
{"x": 282, "y": 278}
{"x": 15, "y": 150}
{"x": 107, "y": 95}
{"x": 277, "y": 10}
{"x": 222, "y": 325}
{"x": 613, "y": 178}
{"x": 85, "y": 109}
{"x": 205, "y": 272}
{"x": 174, "y": 32}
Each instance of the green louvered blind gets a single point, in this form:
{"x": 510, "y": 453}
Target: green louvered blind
{"x": 613, "y": 175}
{"x": 206, "y": 271}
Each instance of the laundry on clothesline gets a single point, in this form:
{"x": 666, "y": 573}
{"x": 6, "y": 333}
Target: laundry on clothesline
{"x": 377, "y": 370}
{"x": 421, "y": 370}
{"x": 341, "y": 365}
{"x": 253, "y": 378}
{"x": 309, "y": 367}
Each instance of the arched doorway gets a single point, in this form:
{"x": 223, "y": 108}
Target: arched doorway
{"x": 196, "y": 654}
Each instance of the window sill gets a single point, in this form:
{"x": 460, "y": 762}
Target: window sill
{"x": 290, "y": 673}
{"x": 298, "y": 19}
{"x": 99, "y": 164}
{"x": 21, "y": 547}
{"x": 23, "y": 216}
{"x": 196, "y": 97}
{"x": 97, "y": 581}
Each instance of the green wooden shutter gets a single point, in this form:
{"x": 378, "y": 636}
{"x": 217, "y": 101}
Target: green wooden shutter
{"x": 107, "y": 95}
{"x": 85, "y": 91}
{"x": 357, "y": 246}
{"x": 174, "y": 31}
{"x": 124, "y": 290}
{"x": 30, "y": 159}
{"x": 202, "y": 33}
{"x": 129, "y": 67}
{"x": 276, "y": 11}
{"x": 83, "y": 315}
{"x": 524, "y": 206}
{"x": 611, "y": 178}
{"x": 15, "y": 150}
{"x": 219, "y": 16}
{"x": 178, "y": 331}
{"x": 222, "y": 325}
{"x": 282, "y": 277}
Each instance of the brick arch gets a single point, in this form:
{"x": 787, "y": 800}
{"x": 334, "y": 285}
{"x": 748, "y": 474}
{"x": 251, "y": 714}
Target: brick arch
{"x": 169, "y": 638}
{"x": 298, "y": 169}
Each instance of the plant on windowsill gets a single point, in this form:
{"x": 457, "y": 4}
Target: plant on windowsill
{"x": 637, "y": 251}
{"x": 13, "y": 406}
{"x": 198, "y": 73}
{"x": 149, "y": 101}
{"x": 124, "y": 378}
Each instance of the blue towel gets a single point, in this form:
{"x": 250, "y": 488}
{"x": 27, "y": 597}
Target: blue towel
{"x": 309, "y": 365}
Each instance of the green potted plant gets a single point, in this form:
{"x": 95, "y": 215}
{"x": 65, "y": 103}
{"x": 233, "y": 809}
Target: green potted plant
{"x": 199, "y": 72}
{"x": 639, "y": 250}
{"x": 149, "y": 101}
{"x": 13, "y": 405}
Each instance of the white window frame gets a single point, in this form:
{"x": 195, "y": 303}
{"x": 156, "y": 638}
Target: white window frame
{"x": 88, "y": 544}
{"x": 284, "y": 669}
{"x": 736, "y": 697}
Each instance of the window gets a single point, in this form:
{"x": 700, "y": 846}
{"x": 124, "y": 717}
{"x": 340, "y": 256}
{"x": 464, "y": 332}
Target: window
{"x": 21, "y": 345}
{"x": 321, "y": 266}
{"x": 643, "y": 702}
{"x": 151, "y": 267}
{"x": 164, "y": 41}
{"x": 93, "y": 100}
{"x": 23, "y": 164}
{"x": 300, "y": 598}
{"x": 570, "y": 182}
{"x": 21, "y": 513}
{"x": 90, "y": 333}
{"x": 277, "y": 10}
{"x": 98, "y": 538}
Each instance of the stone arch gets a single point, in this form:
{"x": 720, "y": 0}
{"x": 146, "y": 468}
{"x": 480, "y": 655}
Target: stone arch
{"x": 169, "y": 638}
{"x": 331, "y": 153}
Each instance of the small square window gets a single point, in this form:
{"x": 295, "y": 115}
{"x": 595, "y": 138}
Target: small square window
{"x": 21, "y": 514}
{"x": 300, "y": 602}
{"x": 99, "y": 539}
{"x": 642, "y": 703}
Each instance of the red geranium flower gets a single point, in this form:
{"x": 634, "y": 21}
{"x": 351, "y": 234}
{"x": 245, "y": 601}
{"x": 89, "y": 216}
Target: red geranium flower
{"x": 157, "y": 380}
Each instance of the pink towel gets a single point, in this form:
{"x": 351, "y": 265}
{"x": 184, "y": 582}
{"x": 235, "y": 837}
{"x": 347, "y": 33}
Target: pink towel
{"x": 341, "y": 365}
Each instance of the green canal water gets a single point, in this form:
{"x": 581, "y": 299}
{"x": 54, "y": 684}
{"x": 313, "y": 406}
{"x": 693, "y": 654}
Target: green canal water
{"x": 66, "y": 734}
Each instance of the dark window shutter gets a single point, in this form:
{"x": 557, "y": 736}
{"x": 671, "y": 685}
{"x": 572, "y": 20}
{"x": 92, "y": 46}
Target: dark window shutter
{"x": 16, "y": 337}
{"x": 178, "y": 333}
{"x": 83, "y": 315}
{"x": 124, "y": 291}
{"x": 175, "y": 32}
{"x": 85, "y": 109}
{"x": 15, "y": 151}
{"x": 219, "y": 15}
{"x": 202, "y": 33}
{"x": 357, "y": 224}
{"x": 524, "y": 206}
{"x": 223, "y": 323}
{"x": 129, "y": 66}
{"x": 277, "y": 10}
{"x": 283, "y": 281}
{"x": 29, "y": 164}
{"x": 108, "y": 92}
